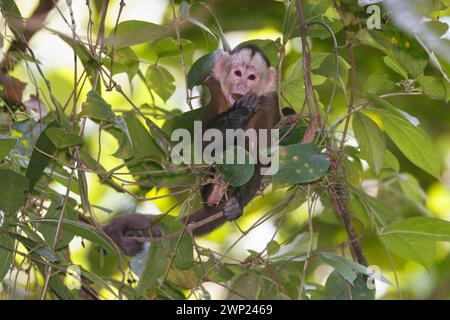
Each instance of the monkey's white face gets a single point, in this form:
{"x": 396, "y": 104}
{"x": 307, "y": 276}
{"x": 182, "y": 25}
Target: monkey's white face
{"x": 243, "y": 79}
{"x": 243, "y": 73}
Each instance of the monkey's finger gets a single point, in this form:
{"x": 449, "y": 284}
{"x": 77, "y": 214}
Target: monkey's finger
{"x": 249, "y": 101}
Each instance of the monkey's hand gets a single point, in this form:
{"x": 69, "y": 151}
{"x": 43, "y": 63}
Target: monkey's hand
{"x": 237, "y": 116}
{"x": 131, "y": 225}
{"x": 232, "y": 209}
{"x": 249, "y": 102}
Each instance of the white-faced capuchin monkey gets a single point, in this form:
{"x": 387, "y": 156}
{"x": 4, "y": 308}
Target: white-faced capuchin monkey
{"x": 242, "y": 88}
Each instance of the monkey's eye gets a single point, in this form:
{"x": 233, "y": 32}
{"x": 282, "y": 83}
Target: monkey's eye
{"x": 251, "y": 77}
{"x": 238, "y": 73}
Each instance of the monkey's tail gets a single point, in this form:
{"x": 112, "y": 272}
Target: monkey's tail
{"x": 204, "y": 220}
{"x": 123, "y": 229}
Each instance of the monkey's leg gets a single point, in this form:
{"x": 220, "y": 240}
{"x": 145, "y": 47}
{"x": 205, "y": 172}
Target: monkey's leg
{"x": 240, "y": 196}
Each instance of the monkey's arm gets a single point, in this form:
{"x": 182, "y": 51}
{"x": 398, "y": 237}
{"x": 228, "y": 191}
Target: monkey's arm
{"x": 240, "y": 196}
{"x": 238, "y": 115}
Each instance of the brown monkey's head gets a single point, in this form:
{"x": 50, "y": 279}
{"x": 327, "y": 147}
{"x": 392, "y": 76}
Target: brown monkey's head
{"x": 244, "y": 70}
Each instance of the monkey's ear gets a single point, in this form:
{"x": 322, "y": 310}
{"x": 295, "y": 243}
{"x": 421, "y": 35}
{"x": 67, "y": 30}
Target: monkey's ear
{"x": 219, "y": 66}
{"x": 271, "y": 78}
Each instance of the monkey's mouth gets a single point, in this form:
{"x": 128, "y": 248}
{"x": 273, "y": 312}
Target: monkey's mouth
{"x": 236, "y": 96}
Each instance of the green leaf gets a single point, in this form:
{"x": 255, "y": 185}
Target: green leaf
{"x": 413, "y": 142}
{"x": 380, "y": 210}
{"x": 202, "y": 26}
{"x": 297, "y": 249}
{"x": 56, "y": 283}
{"x": 439, "y": 28}
{"x": 125, "y": 60}
{"x": 293, "y": 86}
{"x": 160, "y": 136}
{"x": 272, "y": 247}
{"x": 6, "y": 256}
{"x": 168, "y": 47}
{"x": 300, "y": 163}
{"x": 161, "y": 81}
{"x": 317, "y": 10}
{"x": 184, "y": 120}
{"x": 155, "y": 267}
{"x": 144, "y": 145}
{"x": 245, "y": 286}
{"x": 291, "y": 135}
{"x": 61, "y": 139}
{"x": 378, "y": 83}
{"x": 13, "y": 16}
{"x": 84, "y": 54}
{"x": 201, "y": 68}
{"x": 6, "y": 145}
{"x": 412, "y": 61}
{"x": 37, "y": 251}
{"x": 54, "y": 212}
{"x": 83, "y": 230}
{"x": 187, "y": 279}
{"x": 412, "y": 248}
{"x": 132, "y": 32}
{"x": 380, "y": 102}
{"x": 434, "y": 88}
{"x": 390, "y": 161}
{"x": 35, "y": 247}
{"x": 121, "y": 133}
{"x": 337, "y": 288}
{"x": 328, "y": 69}
{"x": 338, "y": 262}
{"x": 99, "y": 281}
{"x": 180, "y": 246}
{"x": 40, "y": 157}
{"x": 394, "y": 65}
{"x": 370, "y": 140}
{"x": 216, "y": 270}
{"x": 95, "y": 107}
{"x": 367, "y": 39}
{"x": 410, "y": 186}
{"x": 342, "y": 268}
{"x": 13, "y": 189}
{"x": 236, "y": 173}
{"x": 426, "y": 227}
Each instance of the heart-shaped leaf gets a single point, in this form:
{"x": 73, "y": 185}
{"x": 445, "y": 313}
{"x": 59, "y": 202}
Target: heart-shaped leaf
{"x": 300, "y": 163}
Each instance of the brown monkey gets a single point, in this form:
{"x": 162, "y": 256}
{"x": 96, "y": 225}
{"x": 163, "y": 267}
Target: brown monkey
{"x": 242, "y": 96}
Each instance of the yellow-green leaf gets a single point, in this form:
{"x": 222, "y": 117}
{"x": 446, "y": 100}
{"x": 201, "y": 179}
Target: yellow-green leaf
{"x": 413, "y": 142}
